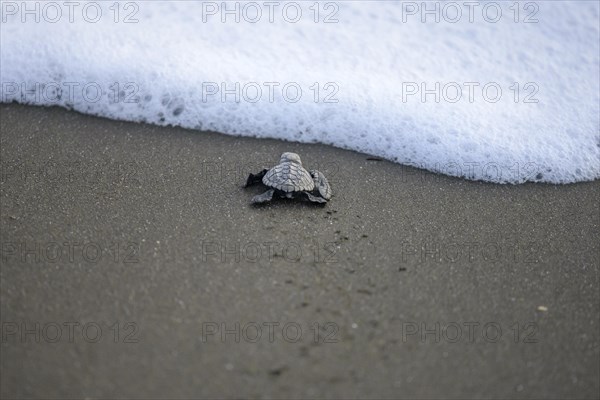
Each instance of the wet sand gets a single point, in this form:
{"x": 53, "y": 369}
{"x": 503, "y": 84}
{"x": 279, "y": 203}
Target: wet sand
{"x": 149, "y": 275}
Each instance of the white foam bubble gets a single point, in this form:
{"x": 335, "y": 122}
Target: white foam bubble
{"x": 367, "y": 62}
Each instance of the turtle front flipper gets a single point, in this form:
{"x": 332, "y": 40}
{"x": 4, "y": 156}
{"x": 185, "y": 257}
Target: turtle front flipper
{"x": 321, "y": 184}
{"x": 254, "y": 179}
{"x": 263, "y": 198}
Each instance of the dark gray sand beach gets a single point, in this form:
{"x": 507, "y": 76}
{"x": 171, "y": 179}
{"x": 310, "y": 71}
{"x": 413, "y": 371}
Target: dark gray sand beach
{"x": 134, "y": 266}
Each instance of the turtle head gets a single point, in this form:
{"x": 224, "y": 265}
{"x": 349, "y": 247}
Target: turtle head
{"x": 290, "y": 157}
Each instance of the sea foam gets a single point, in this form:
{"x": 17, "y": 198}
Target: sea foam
{"x": 502, "y": 92}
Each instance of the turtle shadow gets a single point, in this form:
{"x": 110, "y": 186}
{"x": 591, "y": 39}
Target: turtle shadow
{"x": 276, "y": 200}
{"x": 289, "y": 202}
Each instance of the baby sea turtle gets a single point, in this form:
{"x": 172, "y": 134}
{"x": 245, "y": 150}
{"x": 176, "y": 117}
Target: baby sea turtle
{"x": 289, "y": 179}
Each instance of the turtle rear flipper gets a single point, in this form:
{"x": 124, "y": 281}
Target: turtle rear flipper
{"x": 321, "y": 184}
{"x": 263, "y": 198}
{"x": 312, "y": 198}
{"x": 254, "y": 179}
